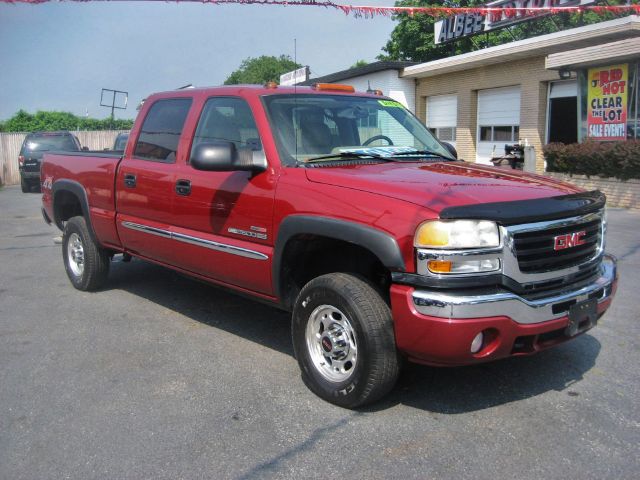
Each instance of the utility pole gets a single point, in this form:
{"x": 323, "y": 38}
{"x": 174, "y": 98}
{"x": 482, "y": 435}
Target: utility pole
{"x": 110, "y": 101}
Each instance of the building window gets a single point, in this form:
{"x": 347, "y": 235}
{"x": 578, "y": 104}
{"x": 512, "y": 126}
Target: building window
{"x": 446, "y": 134}
{"x": 442, "y": 117}
{"x": 499, "y": 133}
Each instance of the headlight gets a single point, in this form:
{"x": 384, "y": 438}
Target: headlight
{"x": 454, "y": 234}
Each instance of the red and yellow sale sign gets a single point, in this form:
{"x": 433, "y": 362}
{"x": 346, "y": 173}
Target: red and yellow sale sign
{"x": 607, "y": 103}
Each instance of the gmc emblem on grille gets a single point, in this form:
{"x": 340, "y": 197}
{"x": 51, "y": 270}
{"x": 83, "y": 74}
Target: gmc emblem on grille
{"x": 569, "y": 240}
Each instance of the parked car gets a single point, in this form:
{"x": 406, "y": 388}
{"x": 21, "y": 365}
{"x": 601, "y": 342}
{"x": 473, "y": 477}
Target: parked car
{"x": 120, "y": 142}
{"x": 380, "y": 242}
{"x": 34, "y": 146}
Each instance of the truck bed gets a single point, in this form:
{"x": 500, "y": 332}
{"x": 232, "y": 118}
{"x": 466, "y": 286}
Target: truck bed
{"x": 95, "y": 173}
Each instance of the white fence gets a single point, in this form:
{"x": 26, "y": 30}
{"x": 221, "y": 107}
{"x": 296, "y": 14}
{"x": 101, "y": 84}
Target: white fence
{"x": 10, "y": 144}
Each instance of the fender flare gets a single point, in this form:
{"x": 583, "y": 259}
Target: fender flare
{"x": 78, "y": 190}
{"x": 381, "y": 244}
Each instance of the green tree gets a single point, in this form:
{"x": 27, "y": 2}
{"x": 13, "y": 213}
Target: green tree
{"x": 261, "y": 70}
{"x": 413, "y": 36}
{"x": 49, "y": 121}
{"x": 359, "y": 63}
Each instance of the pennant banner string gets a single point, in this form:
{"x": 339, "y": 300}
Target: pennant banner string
{"x": 372, "y": 11}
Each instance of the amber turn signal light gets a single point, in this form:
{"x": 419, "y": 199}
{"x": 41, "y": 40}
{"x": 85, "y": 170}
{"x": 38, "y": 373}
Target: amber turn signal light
{"x": 333, "y": 86}
{"x": 439, "y": 266}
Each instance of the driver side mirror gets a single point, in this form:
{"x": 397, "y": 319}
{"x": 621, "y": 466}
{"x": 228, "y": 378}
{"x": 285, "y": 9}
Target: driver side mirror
{"x": 221, "y": 156}
{"x": 451, "y": 149}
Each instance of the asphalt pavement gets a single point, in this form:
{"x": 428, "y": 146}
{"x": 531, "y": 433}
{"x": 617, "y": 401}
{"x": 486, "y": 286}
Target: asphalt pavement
{"x": 160, "y": 377}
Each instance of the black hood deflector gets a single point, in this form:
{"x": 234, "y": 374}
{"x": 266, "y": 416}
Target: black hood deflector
{"x": 529, "y": 211}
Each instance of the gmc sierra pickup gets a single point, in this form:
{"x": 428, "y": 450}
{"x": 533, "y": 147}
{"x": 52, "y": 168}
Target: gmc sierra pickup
{"x": 343, "y": 209}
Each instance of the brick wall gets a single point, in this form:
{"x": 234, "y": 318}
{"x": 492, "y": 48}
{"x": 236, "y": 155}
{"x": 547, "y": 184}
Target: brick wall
{"x": 619, "y": 193}
{"x": 529, "y": 74}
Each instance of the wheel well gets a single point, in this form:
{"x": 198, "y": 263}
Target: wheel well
{"x": 308, "y": 256}
{"x": 65, "y": 206}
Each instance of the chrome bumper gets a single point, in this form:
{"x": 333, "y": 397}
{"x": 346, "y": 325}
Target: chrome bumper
{"x": 521, "y": 310}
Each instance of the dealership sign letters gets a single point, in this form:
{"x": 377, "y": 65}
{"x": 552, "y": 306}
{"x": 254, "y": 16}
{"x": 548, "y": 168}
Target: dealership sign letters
{"x": 607, "y": 103}
{"x": 501, "y": 14}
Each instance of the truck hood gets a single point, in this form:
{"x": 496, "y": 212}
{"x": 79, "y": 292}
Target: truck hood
{"x": 440, "y": 185}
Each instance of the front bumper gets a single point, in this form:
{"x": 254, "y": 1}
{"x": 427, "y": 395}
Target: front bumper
{"x": 438, "y": 327}
{"x": 521, "y": 310}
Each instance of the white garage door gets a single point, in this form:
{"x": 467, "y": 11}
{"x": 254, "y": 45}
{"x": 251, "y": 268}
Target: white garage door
{"x": 498, "y": 121}
{"x": 442, "y": 117}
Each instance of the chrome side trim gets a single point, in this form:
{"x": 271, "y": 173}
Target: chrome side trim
{"x": 221, "y": 247}
{"x": 504, "y": 303}
{"x": 146, "y": 229}
{"x": 201, "y": 242}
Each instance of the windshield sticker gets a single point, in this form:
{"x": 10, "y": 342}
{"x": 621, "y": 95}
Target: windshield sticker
{"x": 382, "y": 151}
{"x": 390, "y": 103}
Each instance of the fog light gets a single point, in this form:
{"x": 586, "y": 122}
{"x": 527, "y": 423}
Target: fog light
{"x": 477, "y": 342}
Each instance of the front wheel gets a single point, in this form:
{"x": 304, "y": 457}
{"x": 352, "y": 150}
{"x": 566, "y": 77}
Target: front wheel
{"x": 86, "y": 263}
{"x": 343, "y": 340}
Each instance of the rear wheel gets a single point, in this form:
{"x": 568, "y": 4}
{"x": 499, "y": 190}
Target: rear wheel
{"x": 343, "y": 340}
{"x": 24, "y": 185}
{"x": 86, "y": 263}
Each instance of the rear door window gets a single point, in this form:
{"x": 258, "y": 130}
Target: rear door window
{"x": 161, "y": 130}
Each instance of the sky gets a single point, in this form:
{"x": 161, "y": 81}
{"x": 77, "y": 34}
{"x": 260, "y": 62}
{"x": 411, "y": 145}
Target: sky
{"x": 58, "y": 55}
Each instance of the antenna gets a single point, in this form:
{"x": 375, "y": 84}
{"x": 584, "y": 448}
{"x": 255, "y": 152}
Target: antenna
{"x": 295, "y": 96}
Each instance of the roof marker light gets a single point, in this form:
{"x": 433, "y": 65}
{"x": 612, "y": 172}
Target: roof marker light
{"x": 333, "y": 86}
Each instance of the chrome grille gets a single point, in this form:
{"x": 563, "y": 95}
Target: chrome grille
{"x": 535, "y": 249}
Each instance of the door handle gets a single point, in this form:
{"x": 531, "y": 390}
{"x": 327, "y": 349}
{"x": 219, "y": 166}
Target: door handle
{"x": 183, "y": 187}
{"x": 129, "y": 180}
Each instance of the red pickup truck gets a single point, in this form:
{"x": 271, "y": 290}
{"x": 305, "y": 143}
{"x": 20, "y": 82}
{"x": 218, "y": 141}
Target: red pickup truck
{"x": 343, "y": 209}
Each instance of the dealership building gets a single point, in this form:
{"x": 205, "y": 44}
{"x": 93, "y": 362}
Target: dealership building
{"x": 561, "y": 87}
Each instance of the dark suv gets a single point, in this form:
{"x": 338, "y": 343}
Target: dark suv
{"x": 120, "y": 142}
{"x": 34, "y": 146}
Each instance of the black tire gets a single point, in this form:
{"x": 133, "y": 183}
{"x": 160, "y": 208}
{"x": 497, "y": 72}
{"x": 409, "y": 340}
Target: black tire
{"x": 24, "y": 185}
{"x": 89, "y": 272}
{"x": 376, "y": 366}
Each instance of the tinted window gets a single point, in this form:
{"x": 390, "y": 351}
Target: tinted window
{"x": 49, "y": 142}
{"x": 228, "y": 119}
{"x": 160, "y": 133}
{"x": 121, "y": 141}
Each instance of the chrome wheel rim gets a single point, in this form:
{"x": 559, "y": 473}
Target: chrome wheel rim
{"x": 75, "y": 254}
{"x": 331, "y": 343}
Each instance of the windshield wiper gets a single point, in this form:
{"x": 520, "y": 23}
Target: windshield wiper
{"x": 349, "y": 156}
{"x": 419, "y": 153}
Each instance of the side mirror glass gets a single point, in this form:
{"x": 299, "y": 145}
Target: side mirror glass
{"x": 214, "y": 156}
{"x": 86, "y": 149}
{"x": 451, "y": 149}
{"x": 221, "y": 156}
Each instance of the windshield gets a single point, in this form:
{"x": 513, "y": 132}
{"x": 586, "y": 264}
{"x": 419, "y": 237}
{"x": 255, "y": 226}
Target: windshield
{"x": 307, "y": 127}
{"x": 44, "y": 142}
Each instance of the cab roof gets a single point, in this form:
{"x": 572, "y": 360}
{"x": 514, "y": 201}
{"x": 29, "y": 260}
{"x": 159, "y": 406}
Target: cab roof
{"x": 254, "y": 90}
